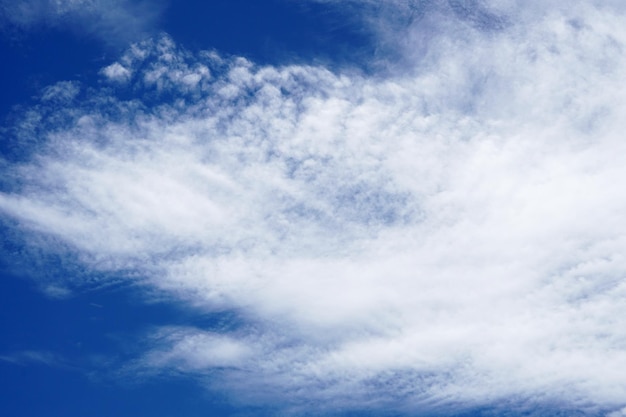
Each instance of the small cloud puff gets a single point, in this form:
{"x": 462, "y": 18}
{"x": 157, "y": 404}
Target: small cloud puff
{"x": 188, "y": 348}
{"x": 56, "y": 291}
{"x": 116, "y": 72}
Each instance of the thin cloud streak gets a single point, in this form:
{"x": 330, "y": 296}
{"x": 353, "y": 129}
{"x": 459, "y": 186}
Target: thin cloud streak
{"x": 448, "y": 236}
{"x": 116, "y": 22}
{"x": 35, "y": 357}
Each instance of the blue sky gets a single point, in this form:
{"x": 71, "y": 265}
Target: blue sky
{"x": 321, "y": 207}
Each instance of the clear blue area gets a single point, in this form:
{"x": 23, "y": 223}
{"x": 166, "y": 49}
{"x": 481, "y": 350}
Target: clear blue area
{"x": 64, "y": 355}
{"x": 270, "y": 31}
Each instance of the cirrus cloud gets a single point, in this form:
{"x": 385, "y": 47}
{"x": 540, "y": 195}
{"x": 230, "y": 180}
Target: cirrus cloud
{"x": 113, "y": 22}
{"x": 442, "y": 237}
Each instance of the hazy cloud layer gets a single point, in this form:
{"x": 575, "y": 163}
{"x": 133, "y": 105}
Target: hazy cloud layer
{"x": 445, "y": 237}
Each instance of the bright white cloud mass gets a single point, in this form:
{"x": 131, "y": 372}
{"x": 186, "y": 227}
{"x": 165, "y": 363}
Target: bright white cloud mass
{"x": 444, "y": 233}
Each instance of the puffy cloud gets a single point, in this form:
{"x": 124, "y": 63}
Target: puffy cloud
{"x": 116, "y": 72}
{"x": 446, "y": 236}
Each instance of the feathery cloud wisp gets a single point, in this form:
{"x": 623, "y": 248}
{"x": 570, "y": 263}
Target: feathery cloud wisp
{"x": 113, "y": 21}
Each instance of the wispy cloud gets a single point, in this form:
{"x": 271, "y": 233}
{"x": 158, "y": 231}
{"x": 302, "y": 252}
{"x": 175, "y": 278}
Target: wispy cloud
{"x": 34, "y": 357}
{"x": 448, "y": 236}
{"x": 114, "y": 21}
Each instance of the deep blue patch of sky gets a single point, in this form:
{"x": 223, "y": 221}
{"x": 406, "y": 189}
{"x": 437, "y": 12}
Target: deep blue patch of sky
{"x": 272, "y": 31}
{"x": 59, "y": 357}
{"x": 34, "y": 60}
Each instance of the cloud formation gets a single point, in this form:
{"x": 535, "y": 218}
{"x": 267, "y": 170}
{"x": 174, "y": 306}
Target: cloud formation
{"x": 442, "y": 237}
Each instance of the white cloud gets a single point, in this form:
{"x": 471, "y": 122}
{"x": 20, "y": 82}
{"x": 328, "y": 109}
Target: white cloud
{"x": 116, "y": 72}
{"x": 197, "y": 350}
{"x": 450, "y": 235}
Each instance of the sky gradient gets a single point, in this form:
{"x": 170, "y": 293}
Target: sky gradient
{"x": 355, "y": 208}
